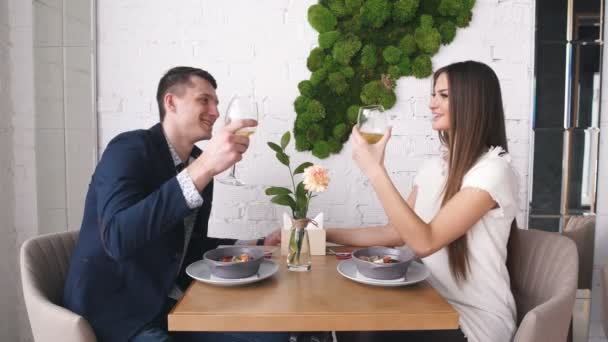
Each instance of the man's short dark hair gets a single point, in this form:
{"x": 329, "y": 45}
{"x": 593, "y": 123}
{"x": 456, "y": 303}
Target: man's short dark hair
{"x": 176, "y": 77}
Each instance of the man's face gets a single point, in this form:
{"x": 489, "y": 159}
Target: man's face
{"x": 195, "y": 109}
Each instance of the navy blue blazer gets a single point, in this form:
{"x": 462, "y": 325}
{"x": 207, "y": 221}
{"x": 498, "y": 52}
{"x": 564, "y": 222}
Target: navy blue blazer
{"x": 132, "y": 236}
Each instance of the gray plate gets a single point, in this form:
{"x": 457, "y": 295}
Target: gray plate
{"x": 201, "y": 271}
{"x": 416, "y": 273}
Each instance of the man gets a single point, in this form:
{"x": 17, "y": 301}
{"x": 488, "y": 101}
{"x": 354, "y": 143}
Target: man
{"x": 146, "y": 216}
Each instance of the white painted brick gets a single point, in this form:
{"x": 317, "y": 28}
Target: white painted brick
{"x": 403, "y": 182}
{"x": 260, "y": 212}
{"x": 230, "y": 230}
{"x": 517, "y": 129}
{"x": 139, "y": 103}
{"x": 513, "y": 93}
{"x": 226, "y": 212}
{"x": 335, "y": 220}
{"x": 519, "y": 148}
{"x": 109, "y": 104}
{"x": 420, "y": 105}
{"x": 372, "y": 215}
{"x": 412, "y": 126}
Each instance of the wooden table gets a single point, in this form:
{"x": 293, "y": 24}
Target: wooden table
{"x": 319, "y": 300}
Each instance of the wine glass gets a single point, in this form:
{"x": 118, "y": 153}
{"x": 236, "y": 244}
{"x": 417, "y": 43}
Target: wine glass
{"x": 372, "y": 123}
{"x": 240, "y": 108}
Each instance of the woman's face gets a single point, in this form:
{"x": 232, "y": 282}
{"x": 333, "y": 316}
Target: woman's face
{"x": 440, "y": 104}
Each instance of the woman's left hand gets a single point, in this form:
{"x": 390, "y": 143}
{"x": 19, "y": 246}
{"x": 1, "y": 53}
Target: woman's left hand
{"x": 369, "y": 157}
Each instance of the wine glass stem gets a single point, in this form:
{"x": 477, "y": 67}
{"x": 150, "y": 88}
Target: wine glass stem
{"x": 233, "y": 171}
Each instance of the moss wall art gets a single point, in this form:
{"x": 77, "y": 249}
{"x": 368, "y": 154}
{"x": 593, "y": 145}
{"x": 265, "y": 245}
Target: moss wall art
{"x": 365, "y": 46}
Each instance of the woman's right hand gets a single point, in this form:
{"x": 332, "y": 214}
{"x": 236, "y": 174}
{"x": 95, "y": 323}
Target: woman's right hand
{"x": 369, "y": 157}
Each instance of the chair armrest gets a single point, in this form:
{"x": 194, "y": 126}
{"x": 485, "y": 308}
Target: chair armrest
{"x": 549, "y": 321}
{"x": 66, "y": 326}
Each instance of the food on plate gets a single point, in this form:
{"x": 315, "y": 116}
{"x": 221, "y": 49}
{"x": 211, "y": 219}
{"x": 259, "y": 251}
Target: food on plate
{"x": 241, "y": 258}
{"x": 379, "y": 260}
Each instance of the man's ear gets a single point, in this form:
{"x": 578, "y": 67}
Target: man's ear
{"x": 169, "y": 101}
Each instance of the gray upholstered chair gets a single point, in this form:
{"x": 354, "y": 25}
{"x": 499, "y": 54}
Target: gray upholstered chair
{"x": 44, "y": 265}
{"x": 544, "y": 275}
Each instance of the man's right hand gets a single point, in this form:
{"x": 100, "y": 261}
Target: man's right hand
{"x": 224, "y": 150}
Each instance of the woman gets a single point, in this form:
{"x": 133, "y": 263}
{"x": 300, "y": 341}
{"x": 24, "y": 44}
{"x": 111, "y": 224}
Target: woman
{"x": 459, "y": 214}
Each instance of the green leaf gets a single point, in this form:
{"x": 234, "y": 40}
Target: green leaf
{"x": 300, "y": 192}
{"x": 301, "y": 199}
{"x": 301, "y": 168}
{"x": 277, "y": 190}
{"x": 284, "y": 200}
{"x": 275, "y": 147}
{"x": 283, "y": 158}
{"x": 285, "y": 139}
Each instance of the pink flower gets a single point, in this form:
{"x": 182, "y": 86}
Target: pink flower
{"x": 316, "y": 178}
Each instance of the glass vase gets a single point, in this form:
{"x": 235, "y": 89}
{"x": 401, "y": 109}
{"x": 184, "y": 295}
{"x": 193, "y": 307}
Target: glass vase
{"x": 298, "y": 258}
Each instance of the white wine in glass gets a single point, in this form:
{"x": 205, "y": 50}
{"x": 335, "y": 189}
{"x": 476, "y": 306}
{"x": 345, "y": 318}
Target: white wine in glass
{"x": 240, "y": 108}
{"x": 372, "y": 123}
{"x": 371, "y": 138}
{"x": 245, "y": 133}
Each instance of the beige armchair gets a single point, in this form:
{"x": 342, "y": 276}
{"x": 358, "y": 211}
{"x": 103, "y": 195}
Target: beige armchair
{"x": 544, "y": 275}
{"x": 44, "y": 266}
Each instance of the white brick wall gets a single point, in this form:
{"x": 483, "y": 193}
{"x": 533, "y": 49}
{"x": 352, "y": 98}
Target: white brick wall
{"x": 261, "y": 47}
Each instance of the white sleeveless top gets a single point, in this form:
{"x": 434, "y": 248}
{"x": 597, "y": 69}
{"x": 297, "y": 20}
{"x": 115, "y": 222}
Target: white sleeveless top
{"x": 484, "y": 301}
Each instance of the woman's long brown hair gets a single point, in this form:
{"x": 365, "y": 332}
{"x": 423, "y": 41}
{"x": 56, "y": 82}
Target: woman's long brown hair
{"x": 477, "y": 123}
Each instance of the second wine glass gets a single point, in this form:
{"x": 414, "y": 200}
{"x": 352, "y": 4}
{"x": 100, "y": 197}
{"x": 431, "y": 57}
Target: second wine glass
{"x": 240, "y": 108}
{"x": 372, "y": 123}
